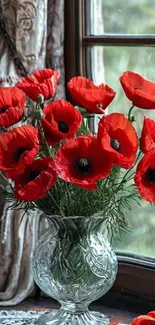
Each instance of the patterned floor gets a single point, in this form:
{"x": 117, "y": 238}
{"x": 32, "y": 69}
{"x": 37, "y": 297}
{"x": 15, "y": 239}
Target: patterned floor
{"x": 14, "y": 317}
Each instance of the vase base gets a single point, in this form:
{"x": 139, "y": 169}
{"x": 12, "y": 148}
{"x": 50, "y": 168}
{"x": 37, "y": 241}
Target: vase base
{"x": 62, "y": 317}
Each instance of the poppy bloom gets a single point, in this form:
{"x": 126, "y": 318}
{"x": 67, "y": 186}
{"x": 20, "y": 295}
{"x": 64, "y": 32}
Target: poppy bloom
{"x": 148, "y": 319}
{"x": 61, "y": 121}
{"x": 93, "y": 98}
{"x": 118, "y": 137}
{"x": 12, "y": 101}
{"x": 18, "y": 148}
{"x": 152, "y": 314}
{"x": 145, "y": 176}
{"x": 82, "y": 161}
{"x": 139, "y": 90}
{"x": 42, "y": 82}
{"x": 147, "y": 141}
{"x": 36, "y": 180}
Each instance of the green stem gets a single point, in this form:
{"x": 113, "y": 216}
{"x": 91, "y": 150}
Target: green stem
{"x": 25, "y": 117}
{"x": 123, "y": 180}
{"x": 43, "y": 138}
{"x": 106, "y": 181}
{"x": 87, "y": 124}
{"x": 38, "y": 116}
{"x": 124, "y": 177}
{"x": 3, "y": 177}
{"x": 130, "y": 177}
{"x": 68, "y": 197}
{"x": 137, "y": 158}
{"x": 129, "y": 114}
{"x": 55, "y": 202}
{"x": 55, "y": 188}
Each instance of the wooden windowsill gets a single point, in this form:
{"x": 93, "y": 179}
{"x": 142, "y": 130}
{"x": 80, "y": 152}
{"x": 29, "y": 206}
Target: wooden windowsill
{"x": 115, "y": 314}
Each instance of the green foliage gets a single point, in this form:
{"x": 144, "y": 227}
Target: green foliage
{"x": 114, "y": 197}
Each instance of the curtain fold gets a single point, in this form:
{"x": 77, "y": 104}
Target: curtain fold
{"x": 34, "y": 39}
{"x": 55, "y": 42}
{"x": 16, "y": 281}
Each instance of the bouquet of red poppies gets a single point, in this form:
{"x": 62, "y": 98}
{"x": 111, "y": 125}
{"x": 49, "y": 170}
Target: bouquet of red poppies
{"x": 59, "y": 165}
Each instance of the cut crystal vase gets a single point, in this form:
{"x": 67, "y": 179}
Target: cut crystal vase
{"x": 74, "y": 263}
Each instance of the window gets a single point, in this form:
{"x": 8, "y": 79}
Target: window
{"x": 104, "y": 39}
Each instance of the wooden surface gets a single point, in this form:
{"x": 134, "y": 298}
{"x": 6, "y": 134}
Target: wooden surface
{"x": 116, "y": 315}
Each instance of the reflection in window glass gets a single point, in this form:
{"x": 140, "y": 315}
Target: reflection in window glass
{"x": 122, "y": 16}
{"x": 115, "y": 61}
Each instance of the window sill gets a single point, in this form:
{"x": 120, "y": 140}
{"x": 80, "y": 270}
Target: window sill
{"x": 115, "y": 314}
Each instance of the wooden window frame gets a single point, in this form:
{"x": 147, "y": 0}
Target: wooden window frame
{"x": 78, "y": 41}
{"x": 135, "y": 283}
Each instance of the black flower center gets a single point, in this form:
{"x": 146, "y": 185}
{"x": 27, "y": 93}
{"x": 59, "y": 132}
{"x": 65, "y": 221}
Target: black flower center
{"x": 63, "y": 127}
{"x": 33, "y": 174}
{"x": 83, "y": 166}
{"x": 18, "y": 153}
{"x": 115, "y": 144}
{"x": 150, "y": 175}
{"x": 3, "y": 109}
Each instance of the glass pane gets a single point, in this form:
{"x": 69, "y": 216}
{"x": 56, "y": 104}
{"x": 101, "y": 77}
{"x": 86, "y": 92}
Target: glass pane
{"x": 108, "y": 64}
{"x": 140, "y": 239}
{"x": 122, "y": 16}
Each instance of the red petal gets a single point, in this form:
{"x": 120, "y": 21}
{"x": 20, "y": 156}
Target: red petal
{"x": 117, "y": 127}
{"x": 14, "y": 99}
{"x": 143, "y": 320}
{"x": 151, "y": 314}
{"x": 75, "y": 149}
{"x": 86, "y": 185}
{"x": 28, "y": 190}
{"x": 14, "y": 141}
{"x": 147, "y": 141}
{"x": 146, "y": 189}
{"x": 41, "y": 82}
{"x": 139, "y": 90}
{"x": 94, "y": 98}
{"x": 60, "y": 111}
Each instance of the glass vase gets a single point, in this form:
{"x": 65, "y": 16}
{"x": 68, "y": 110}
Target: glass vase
{"x": 74, "y": 263}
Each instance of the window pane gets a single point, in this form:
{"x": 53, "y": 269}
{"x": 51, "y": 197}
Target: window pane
{"x": 140, "y": 239}
{"x": 122, "y": 16}
{"x": 108, "y": 64}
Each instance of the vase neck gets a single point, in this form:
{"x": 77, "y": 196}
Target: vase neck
{"x": 76, "y": 308}
{"x": 77, "y": 226}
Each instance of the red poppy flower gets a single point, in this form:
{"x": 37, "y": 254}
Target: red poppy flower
{"x": 61, "y": 121}
{"x": 118, "y": 137}
{"x": 36, "y": 180}
{"x": 12, "y": 101}
{"x": 145, "y": 176}
{"x": 82, "y": 161}
{"x": 41, "y": 82}
{"x": 144, "y": 320}
{"x": 139, "y": 90}
{"x": 147, "y": 141}
{"x": 18, "y": 148}
{"x": 152, "y": 314}
{"x": 93, "y": 98}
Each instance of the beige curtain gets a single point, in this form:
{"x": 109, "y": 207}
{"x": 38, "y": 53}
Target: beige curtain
{"x": 31, "y": 38}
